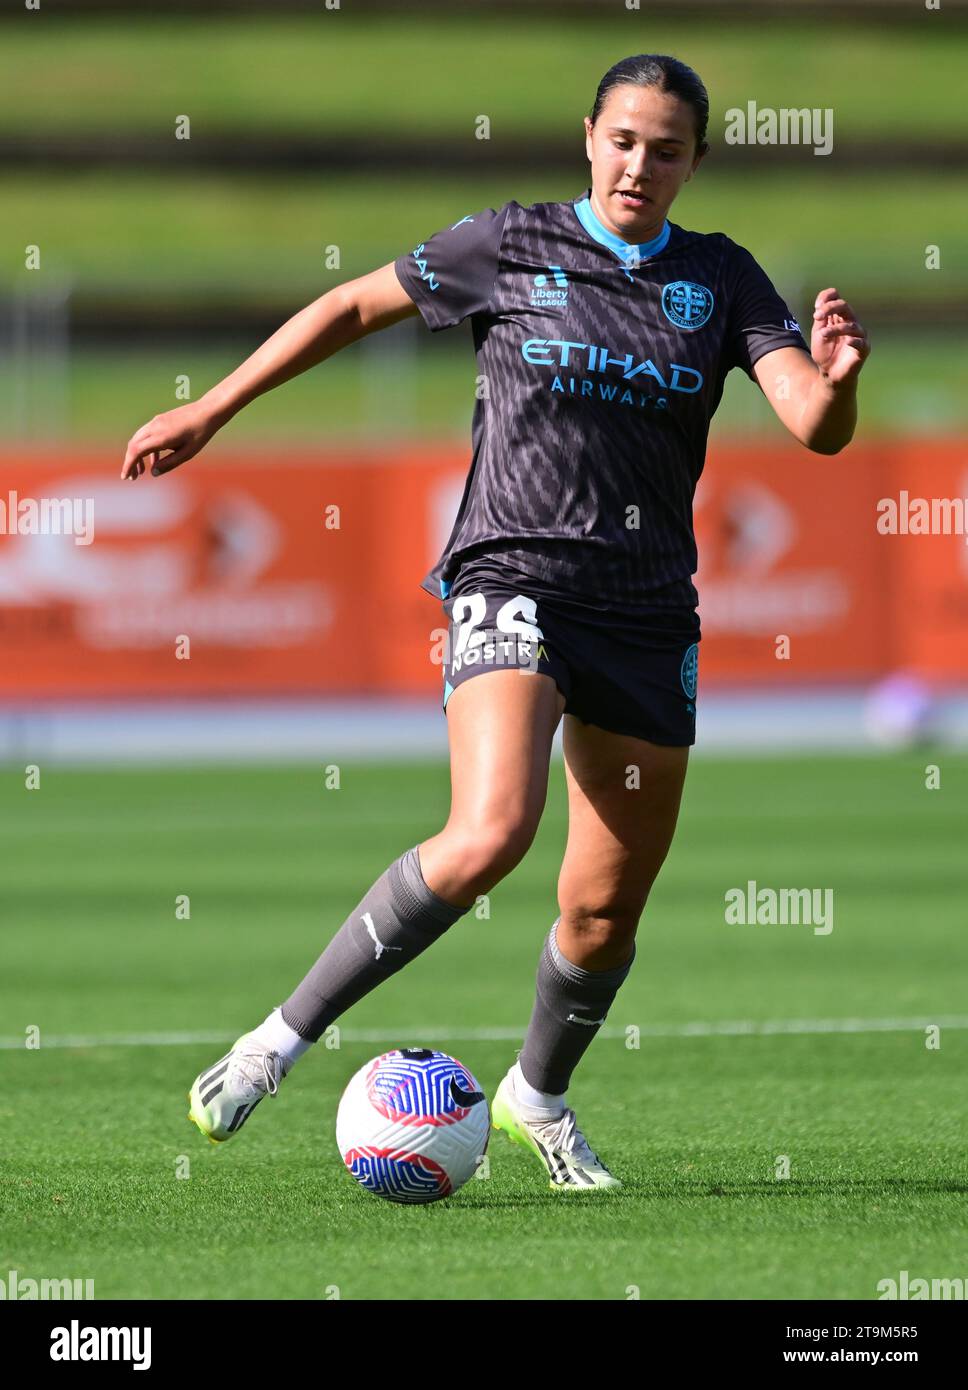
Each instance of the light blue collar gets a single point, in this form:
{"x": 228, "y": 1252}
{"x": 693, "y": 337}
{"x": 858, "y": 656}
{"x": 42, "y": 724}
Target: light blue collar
{"x": 625, "y": 250}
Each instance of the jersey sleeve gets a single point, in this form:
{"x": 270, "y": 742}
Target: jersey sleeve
{"x": 452, "y": 274}
{"x": 759, "y": 318}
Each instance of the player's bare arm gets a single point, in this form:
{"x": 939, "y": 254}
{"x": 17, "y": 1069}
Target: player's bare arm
{"x": 816, "y": 396}
{"x": 340, "y": 317}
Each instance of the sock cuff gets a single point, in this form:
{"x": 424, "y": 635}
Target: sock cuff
{"x": 553, "y": 1103}
{"x": 576, "y": 974}
{"x": 411, "y": 896}
{"x": 300, "y": 1025}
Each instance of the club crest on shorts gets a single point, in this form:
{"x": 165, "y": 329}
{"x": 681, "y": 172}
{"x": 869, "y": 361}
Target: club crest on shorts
{"x": 689, "y": 673}
{"x": 687, "y": 304}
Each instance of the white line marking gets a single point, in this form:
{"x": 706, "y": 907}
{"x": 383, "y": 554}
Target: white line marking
{"x": 727, "y": 1028}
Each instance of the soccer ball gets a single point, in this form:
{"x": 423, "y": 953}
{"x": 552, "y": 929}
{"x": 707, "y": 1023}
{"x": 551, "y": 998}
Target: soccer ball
{"x": 412, "y": 1125}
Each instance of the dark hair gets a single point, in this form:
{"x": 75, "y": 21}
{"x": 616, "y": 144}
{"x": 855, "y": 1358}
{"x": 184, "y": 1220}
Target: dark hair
{"x": 669, "y": 75}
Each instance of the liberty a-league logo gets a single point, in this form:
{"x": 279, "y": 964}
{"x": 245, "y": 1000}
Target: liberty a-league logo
{"x": 687, "y": 304}
{"x": 550, "y": 291}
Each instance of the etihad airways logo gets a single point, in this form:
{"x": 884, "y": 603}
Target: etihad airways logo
{"x": 556, "y": 352}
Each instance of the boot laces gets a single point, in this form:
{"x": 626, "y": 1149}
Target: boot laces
{"x": 564, "y": 1136}
{"x": 261, "y": 1069}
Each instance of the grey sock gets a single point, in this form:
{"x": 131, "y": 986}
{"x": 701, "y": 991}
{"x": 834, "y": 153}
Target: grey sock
{"x": 397, "y": 920}
{"x": 570, "y": 1006}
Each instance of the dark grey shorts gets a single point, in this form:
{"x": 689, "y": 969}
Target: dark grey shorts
{"x": 628, "y": 675}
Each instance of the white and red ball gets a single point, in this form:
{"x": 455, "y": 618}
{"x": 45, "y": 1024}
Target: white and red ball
{"x": 412, "y": 1125}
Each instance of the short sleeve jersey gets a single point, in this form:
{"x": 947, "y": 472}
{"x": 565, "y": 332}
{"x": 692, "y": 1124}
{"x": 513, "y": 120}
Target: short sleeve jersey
{"x": 601, "y": 366}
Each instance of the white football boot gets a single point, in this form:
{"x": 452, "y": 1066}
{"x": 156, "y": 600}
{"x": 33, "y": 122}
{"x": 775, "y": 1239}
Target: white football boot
{"x": 559, "y": 1143}
{"x": 225, "y": 1094}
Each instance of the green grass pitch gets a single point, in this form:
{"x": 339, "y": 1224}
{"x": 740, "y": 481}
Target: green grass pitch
{"x": 872, "y": 1121}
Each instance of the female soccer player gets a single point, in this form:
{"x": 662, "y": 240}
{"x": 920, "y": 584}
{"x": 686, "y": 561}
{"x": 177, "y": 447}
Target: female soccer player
{"x": 603, "y": 334}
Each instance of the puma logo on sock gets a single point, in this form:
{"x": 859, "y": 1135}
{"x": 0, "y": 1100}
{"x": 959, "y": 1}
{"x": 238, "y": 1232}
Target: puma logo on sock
{"x": 371, "y": 932}
{"x": 588, "y": 1022}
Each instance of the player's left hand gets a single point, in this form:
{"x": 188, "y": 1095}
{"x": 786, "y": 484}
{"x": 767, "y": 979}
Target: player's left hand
{"x": 838, "y": 343}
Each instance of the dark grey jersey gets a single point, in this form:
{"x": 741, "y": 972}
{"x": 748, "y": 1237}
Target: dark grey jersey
{"x": 601, "y": 365}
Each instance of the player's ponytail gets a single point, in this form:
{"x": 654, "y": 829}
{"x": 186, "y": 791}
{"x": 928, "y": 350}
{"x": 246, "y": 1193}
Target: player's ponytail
{"x": 669, "y": 75}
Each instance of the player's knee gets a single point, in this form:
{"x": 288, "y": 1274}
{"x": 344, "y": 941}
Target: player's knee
{"x": 600, "y": 925}
{"x": 488, "y": 852}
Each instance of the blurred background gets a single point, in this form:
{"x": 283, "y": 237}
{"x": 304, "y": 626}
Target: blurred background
{"x": 172, "y": 188}
{"x": 154, "y": 905}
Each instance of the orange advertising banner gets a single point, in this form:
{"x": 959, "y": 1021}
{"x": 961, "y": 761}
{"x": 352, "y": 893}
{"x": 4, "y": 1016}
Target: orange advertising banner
{"x": 793, "y": 577}
{"x": 928, "y": 547}
{"x": 297, "y": 572}
{"x": 250, "y": 574}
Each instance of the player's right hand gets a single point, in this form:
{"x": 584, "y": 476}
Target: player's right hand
{"x": 183, "y": 432}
